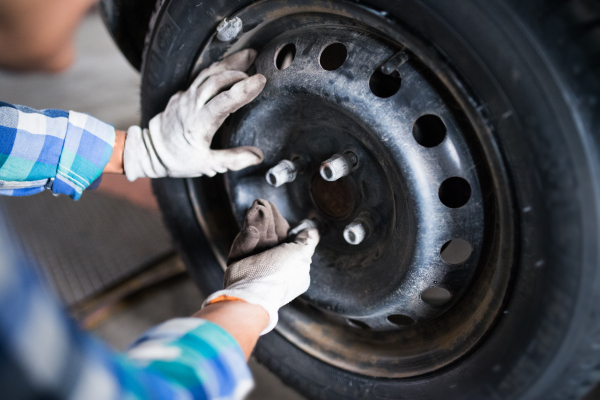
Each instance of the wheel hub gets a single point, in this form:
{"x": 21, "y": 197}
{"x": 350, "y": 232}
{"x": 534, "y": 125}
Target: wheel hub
{"x": 334, "y": 199}
{"x": 322, "y": 103}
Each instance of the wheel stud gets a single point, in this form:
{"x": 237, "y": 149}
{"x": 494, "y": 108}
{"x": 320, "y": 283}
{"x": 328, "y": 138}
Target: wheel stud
{"x": 285, "y": 171}
{"x": 227, "y": 30}
{"x": 338, "y": 166}
{"x": 358, "y": 230}
{"x": 304, "y": 224}
{"x": 392, "y": 65}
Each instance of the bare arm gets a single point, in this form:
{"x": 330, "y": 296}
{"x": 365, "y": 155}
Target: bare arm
{"x": 243, "y": 321}
{"x": 115, "y": 164}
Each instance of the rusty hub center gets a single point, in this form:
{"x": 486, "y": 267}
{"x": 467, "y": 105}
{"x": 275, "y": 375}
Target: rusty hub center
{"x": 336, "y": 199}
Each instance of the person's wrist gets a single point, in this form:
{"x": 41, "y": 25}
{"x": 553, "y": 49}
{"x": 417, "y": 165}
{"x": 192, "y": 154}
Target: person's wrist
{"x": 213, "y": 312}
{"x": 237, "y": 295}
{"x": 223, "y": 298}
{"x": 115, "y": 164}
{"x": 243, "y": 321}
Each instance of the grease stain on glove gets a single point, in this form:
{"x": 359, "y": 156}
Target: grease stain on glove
{"x": 261, "y": 269}
{"x": 264, "y": 227}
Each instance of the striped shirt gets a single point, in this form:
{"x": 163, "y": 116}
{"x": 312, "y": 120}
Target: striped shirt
{"x": 42, "y": 353}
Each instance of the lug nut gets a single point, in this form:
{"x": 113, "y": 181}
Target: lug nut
{"x": 338, "y": 166}
{"x": 227, "y": 30}
{"x": 304, "y": 224}
{"x": 283, "y": 172}
{"x": 357, "y": 231}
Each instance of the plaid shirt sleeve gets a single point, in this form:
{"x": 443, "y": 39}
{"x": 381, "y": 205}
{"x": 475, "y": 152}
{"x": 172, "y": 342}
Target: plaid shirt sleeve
{"x": 51, "y": 149}
{"x": 43, "y": 355}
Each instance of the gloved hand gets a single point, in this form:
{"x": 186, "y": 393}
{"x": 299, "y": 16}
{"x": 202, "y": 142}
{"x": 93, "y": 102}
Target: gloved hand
{"x": 262, "y": 274}
{"x": 177, "y": 142}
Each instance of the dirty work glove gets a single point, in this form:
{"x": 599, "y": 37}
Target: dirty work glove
{"x": 262, "y": 271}
{"x": 177, "y": 142}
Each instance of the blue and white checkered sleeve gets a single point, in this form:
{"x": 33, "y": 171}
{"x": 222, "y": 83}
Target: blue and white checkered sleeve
{"x": 44, "y": 355}
{"x": 197, "y": 355}
{"x": 86, "y": 151}
{"x": 65, "y": 151}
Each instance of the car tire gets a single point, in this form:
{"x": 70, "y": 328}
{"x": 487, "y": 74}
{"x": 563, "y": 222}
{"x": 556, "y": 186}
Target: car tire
{"x": 543, "y": 57}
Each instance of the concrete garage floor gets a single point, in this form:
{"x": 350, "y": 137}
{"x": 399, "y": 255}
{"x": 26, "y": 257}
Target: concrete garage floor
{"x": 103, "y": 84}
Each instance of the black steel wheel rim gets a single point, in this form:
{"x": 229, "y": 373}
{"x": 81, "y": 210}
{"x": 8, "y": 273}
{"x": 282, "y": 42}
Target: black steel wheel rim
{"x": 365, "y": 311}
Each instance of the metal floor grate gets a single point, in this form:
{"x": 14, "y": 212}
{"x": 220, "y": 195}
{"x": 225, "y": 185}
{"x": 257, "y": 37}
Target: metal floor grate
{"x": 86, "y": 246}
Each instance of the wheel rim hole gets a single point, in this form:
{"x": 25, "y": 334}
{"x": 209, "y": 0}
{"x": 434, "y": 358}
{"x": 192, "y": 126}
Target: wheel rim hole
{"x": 285, "y": 56}
{"x": 454, "y": 192}
{"x": 456, "y": 251}
{"x": 436, "y": 296}
{"x": 383, "y": 85}
{"x": 400, "y": 320}
{"x": 358, "y": 324}
{"x": 333, "y": 56}
{"x": 429, "y": 130}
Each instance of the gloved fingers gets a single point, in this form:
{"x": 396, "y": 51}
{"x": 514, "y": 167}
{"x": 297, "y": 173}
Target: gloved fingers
{"x": 309, "y": 238}
{"x": 216, "y": 84}
{"x": 259, "y": 216}
{"x": 268, "y": 237}
{"x": 235, "y": 159}
{"x": 216, "y": 110}
{"x": 240, "y": 61}
{"x": 256, "y": 223}
{"x": 281, "y": 225}
{"x": 244, "y": 244}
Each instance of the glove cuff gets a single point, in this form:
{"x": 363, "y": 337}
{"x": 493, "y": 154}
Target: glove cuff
{"x": 139, "y": 158}
{"x": 248, "y": 298}
{"x": 133, "y": 152}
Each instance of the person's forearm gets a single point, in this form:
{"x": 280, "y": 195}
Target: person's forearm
{"x": 243, "y": 321}
{"x": 115, "y": 164}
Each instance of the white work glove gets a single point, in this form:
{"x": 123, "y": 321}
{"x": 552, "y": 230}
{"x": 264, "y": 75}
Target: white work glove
{"x": 177, "y": 142}
{"x": 276, "y": 275}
